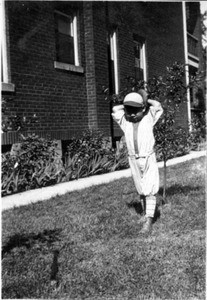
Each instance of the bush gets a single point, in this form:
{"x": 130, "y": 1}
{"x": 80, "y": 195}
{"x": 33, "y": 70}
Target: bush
{"x": 91, "y": 143}
{"x": 76, "y": 167}
{"x": 181, "y": 141}
{"x": 198, "y": 134}
{"x": 177, "y": 142}
{"x": 36, "y": 164}
{"x": 92, "y": 155}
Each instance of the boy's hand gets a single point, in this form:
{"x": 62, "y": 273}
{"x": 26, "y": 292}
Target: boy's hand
{"x": 118, "y": 107}
{"x": 157, "y": 106}
{"x": 154, "y": 103}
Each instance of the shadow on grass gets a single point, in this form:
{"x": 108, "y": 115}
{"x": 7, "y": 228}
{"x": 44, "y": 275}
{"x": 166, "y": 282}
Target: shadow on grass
{"x": 179, "y": 189}
{"x": 28, "y": 240}
{"x": 137, "y": 206}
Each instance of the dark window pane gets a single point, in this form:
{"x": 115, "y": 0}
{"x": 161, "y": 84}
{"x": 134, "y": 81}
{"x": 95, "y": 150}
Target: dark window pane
{"x": 138, "y": 60}
{"x": 137, "y": 49}
{"x": 64, "y": 25}
{"x": 139, "y": 74}
{"x": 65, "y": 48}
{"x": 64, "y": 40}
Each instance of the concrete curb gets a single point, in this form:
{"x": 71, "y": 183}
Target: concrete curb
{"x": 46, "y": 193}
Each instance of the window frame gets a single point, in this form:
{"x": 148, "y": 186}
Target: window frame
{"x": 113, "y": 42}
{"x": 141, "y": 41}
{"x": 76, "y": 67}
{"x": 6, "y": 85}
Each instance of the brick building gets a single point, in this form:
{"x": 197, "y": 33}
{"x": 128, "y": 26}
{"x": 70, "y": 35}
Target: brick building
{"x": 57, "y": 56}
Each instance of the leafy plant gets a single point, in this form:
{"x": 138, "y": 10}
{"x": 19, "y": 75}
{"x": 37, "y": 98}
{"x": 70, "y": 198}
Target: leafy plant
{"x": 13, "y": 122}
{"x": 92, "y": 154}
{"x": 35, "y": 164}
{"x": 120, "y": 160}
{"x": 98, "y": 164}
{"x": 90, "y": 143}
{"x": 198, "y": 133}
{"x": 87, "y": 155}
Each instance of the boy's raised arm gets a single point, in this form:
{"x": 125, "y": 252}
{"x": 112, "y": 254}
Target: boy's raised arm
{"x": 157, "y": 108}
{"x": 118, "y": 114}
{"x": 117, "y": 108}
{"x": 155, "y": 104}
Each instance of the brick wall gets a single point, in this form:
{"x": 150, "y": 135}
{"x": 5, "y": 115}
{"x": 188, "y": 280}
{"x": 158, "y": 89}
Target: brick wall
{"x": 57, "y": 97}
{"x": 161, "y": 25}
{"x": 90, "y": 65}
{"x": 101, "y": 65}
{"x": 68, "y": 102}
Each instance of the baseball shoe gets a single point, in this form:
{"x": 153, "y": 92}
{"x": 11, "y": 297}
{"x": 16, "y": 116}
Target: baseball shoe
{"x": 147, "y": 228}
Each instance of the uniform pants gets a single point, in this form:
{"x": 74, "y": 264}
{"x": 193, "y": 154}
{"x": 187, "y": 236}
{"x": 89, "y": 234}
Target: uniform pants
{"x": 146, "y": 179}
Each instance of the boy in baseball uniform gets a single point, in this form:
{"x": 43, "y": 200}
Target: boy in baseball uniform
{"x": 137, "y": 117}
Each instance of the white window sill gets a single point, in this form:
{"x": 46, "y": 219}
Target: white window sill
{"x": 193, "y": 56}
{"x": 7, "y": 87}
{"x": 68, "y": 67}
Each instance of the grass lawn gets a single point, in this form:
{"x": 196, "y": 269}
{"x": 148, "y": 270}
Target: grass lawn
{"x": 86, "y": 244}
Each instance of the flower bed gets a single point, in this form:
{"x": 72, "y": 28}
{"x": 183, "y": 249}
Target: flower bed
{"x": 36, "y": 164}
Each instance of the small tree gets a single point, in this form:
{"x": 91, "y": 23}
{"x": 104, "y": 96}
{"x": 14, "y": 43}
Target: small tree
{"x": 170, "y": 90}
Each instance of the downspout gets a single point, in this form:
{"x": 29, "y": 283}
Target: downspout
{"x": 186, "y": 64}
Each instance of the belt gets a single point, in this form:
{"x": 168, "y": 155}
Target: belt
{"x": 137, "y": 156}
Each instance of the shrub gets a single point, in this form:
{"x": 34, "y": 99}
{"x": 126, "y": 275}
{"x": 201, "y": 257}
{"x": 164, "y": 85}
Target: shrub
{"x": 198, "y": 134}
{"x": 92, "y": 154}
{"x": 90, "y": 143}
{"x": 120, "y": 159}
{"x": 36, "y": 164}
{"x": 76, "y": 167}
{"x": 177, "y": 142}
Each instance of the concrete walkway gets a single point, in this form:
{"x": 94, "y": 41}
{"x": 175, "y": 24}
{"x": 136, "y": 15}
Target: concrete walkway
{"x": 46, "y": 193}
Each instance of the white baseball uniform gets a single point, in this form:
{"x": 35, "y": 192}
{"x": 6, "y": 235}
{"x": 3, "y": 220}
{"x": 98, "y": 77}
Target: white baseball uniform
{"x": 140, "y": 144}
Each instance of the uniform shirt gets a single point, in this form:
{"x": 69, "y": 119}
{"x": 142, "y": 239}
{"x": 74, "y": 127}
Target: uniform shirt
{"x": 139, "y": 136}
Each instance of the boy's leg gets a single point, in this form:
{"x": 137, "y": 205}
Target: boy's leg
{"x": 136, "y": 174}
{"x": 143, "y": 203}
{"x": 150, "y": 188}
{"x": 150, "y": 206}
{"x": 150, "y": 211}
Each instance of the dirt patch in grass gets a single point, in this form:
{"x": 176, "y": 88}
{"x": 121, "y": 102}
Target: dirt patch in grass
{"x": 86, "y": 244}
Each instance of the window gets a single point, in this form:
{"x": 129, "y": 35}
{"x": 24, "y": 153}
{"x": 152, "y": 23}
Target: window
{"x": 7, "y": 86}
{"x": 113, "y": 62}
{"x": 197, "y": 101}
{"x": 66, "y": 38}
{"x": 139, "y": 58}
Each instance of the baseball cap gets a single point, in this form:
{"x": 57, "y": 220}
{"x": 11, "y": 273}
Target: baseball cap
{"x": 133, "y": 99}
